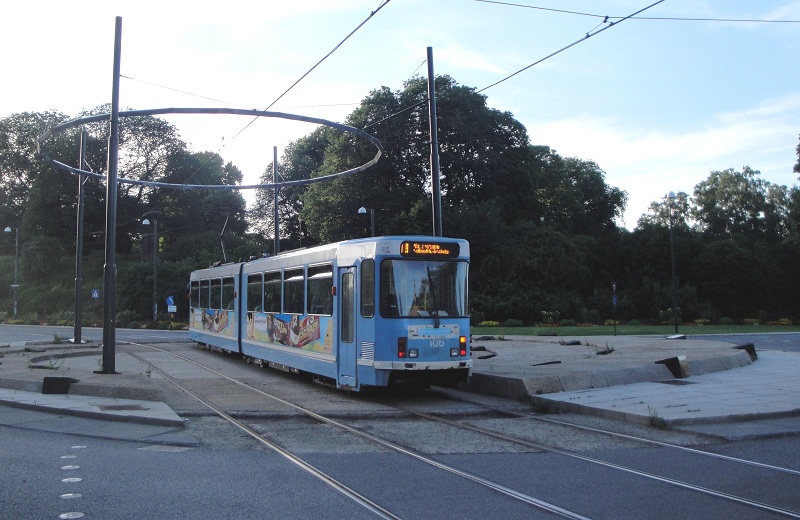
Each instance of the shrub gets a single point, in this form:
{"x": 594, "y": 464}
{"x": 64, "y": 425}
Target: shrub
{"x": 489, "y": 323}
{"x": 634, "y": 323}
{"x": 164, "y": 325}
{"x": 566, "y": 323}
{"x": 701, "y": 322}
{"x": 511, "y": 322}
{"x": 725, "y": 321}
{"x": 550, "y": 317}
{"x": 610, "y": 322}
{"x": 127, "y": 316}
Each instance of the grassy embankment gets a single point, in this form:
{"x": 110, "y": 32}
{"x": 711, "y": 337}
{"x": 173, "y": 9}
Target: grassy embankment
{"x": 632, "y": 330}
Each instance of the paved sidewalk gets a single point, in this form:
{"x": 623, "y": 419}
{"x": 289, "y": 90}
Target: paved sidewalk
{"x": 765, "y": 390}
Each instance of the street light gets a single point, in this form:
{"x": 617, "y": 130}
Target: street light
{"x": 614, "y": 302}
{"x": 671, "y": 196}
{"x": 363, "y": 211}
{"x": 146, "y": 222}
{"x": 15, "y": 285}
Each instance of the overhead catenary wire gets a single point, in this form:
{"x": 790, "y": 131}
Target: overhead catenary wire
{"x": 657, "y": 18}
{"x": 367, "y": 19}
{"x": 559, "y": 51}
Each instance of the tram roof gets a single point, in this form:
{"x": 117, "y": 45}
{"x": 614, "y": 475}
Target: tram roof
{"x": 346, "y": 251}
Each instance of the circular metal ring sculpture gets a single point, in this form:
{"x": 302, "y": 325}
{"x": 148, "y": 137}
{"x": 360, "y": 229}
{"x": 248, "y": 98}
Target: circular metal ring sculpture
{"x": 214, "y": 111}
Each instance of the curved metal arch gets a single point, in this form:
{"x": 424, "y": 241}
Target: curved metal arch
{"x": 213, "y": 111}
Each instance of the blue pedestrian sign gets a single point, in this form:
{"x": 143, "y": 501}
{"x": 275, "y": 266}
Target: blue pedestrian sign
{"x": 95, "y": 294}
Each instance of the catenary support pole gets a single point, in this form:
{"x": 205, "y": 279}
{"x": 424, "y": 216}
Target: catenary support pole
{"x": 276, "y": 223}
{"x": 76, "y": 336}
{"x": 110, "y": 266}
{"x": 436, "y": 195}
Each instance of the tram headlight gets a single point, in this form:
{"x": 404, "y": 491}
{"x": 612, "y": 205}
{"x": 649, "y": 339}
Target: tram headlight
{"x": 412, "y": 353}
{"x": 453, "y": 352}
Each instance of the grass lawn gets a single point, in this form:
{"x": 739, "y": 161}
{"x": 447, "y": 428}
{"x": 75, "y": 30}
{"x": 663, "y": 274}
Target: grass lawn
{"x": 632, "y": 330}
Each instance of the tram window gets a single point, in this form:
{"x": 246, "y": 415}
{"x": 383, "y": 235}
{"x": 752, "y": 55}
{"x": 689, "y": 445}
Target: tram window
{"x": 272, "y": 292}
{"x": 293, "y": 291}
{"x": 320, "y": 281}
{"x": 228, "y": 294}
{"x": 215, "y": 294}
{"x": 194, "y": 294}
{"x": 348, "y": 310}
{"x": 255, "y": 292}
{"x": 205, "y": 290}
{"x": 368, "y": 288}
{"x": 421, "y": 288}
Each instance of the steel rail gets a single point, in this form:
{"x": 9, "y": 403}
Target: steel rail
{"x": 535, "y": 502}
{"x": 305, "y": 466}
{"x": 685, "y": 485}
{"x": 626, "y": 436}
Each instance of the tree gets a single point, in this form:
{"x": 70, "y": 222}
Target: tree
{"x": 659, "y": 213}
{"x": 483, "y": 155}
{"x": 302, "y": 159}
{"x": 796, "y": 168}
{"x": 192, "y": 220}
{"x": 20, "y": 162}
{"x": 731, "y": 202}
{"x": 572, "y": 193}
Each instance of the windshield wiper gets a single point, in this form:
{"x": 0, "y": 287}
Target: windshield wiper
{"x": 435, "y": 311}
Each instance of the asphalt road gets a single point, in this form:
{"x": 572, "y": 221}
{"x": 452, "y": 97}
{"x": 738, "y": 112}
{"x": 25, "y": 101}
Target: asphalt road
{"x": 16, "y": 333}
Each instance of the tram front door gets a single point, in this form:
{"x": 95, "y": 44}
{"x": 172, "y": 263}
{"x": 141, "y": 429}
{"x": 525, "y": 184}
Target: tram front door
{"x": 347, "y": 327}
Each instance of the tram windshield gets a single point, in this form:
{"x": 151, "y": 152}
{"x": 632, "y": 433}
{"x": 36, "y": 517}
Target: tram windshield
{"x": 419, "y": 288}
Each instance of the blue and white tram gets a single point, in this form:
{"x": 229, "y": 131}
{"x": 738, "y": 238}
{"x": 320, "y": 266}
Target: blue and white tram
{"x": 366, "y": 312}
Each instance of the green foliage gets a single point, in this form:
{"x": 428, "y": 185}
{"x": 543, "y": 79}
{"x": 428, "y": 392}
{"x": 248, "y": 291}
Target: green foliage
{"x": 511, "y": 322}
{"x": 38, "y": 258}
{"x": 542, "y": 228}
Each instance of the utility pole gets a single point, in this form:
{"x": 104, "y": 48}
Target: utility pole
{"x": 76, "y": 337}
{"x": 110, "y": 266}
{"x": 436, "y": 194}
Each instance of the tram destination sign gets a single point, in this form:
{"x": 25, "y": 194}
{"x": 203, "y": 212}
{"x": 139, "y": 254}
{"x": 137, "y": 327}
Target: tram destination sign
{"x": 427, "y": 249}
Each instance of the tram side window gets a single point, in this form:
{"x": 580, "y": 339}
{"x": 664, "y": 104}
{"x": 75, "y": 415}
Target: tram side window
{"x": 215, "y": 294}
{"x": 272, "y": 292}
{"x": 293, "y": 291}
{"x": 320, "y": 297}
{"x": 194, "y": 294}
{"x": 228, "y": 294}
{"x": 368, "y": 288}
{"x": 205, "y": 294}
{"x": 255, "y": 292}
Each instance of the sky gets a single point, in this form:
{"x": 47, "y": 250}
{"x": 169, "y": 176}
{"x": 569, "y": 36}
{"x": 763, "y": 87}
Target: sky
{"x": 657, "y": 104}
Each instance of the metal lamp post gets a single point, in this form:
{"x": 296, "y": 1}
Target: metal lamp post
{"x": 671, "y": 196}
{"x": 363, "y": 211}
{"x": 15, "y": 285}
{"x": 614, "y": 303}
{"x": 146, "y": 222}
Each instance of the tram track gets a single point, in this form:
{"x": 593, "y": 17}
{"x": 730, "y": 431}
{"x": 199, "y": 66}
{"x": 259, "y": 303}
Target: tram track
{"x": 761, "y": 506}
{"x": 640, "y": 473}
{"x": 624, "y": 436}
{"x": 334, "y": 483}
